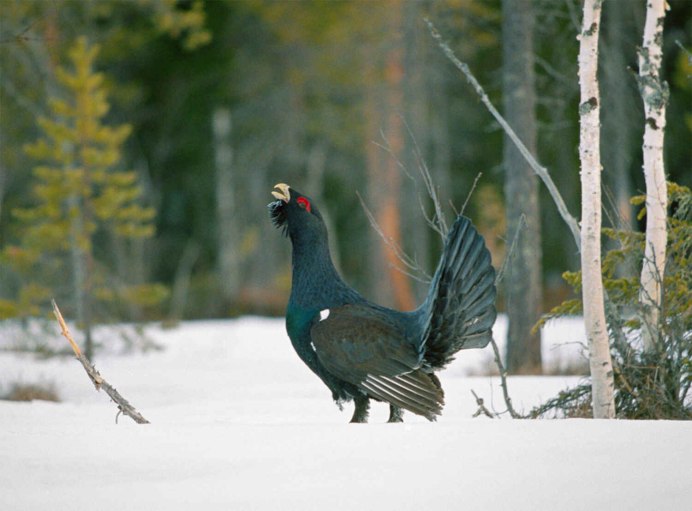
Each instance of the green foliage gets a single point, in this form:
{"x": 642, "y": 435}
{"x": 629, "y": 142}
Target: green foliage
{"x": 31, "y": 294}
{"x": 186, "y": 24}
{"x": 648, "y": 385}
{"x": 80, "y": 194}
{"x": 81, "y": 152}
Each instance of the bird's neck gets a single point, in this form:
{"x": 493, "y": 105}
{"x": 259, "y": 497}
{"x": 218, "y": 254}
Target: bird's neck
{"x": 316, "y": 284}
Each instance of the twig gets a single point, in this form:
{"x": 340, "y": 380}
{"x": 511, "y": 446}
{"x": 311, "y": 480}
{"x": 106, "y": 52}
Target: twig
{"x": 481, "y": 407}
{"x": 468, "y": 196}
{"x": 687, "y": 52}
{"x": 409, "y": 262}
{"x": 438, "y": 223}
{"x": 540, "y": 171}
{"x": 503, "y": 382}
{"x": 515, "y": 240}
{"x": 496, "y": 350}
{"x": 99, "y": 382}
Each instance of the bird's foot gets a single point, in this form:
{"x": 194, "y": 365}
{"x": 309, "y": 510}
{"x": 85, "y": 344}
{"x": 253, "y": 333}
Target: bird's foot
{"x": 396, "y": 414}
{"x": 360, "y": 414}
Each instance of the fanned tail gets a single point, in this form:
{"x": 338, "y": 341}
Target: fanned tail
{"x": 460, "y": 310}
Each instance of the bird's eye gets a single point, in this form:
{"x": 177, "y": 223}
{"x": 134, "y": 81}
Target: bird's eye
{"x": 304, "y": 203}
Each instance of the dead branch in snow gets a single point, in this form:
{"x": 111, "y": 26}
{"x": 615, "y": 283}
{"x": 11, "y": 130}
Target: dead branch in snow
{"x": 498, "y": 358}
{"x": 503, "y": 382}
{"x": 99, "y": 382}
{"x": 481, "y": 407}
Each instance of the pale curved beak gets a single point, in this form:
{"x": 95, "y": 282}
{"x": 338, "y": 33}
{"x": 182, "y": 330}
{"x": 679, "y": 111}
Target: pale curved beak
{"x": 283, "y": 192}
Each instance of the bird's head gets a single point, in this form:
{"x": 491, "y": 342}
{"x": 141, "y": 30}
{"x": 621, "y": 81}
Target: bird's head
{"x": 295, "y": 213}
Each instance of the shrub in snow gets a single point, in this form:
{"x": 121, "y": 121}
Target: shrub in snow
{"x": 654, "y": 383}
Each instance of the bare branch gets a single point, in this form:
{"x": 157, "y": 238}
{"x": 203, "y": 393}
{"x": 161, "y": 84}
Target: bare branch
{"x": 99, "y": 382}
{"x": 687, "y": 52}
{"x": 515, "y": 240}
{"x": 409, "y": 262}
{"x": 437, "y": 221}
{"x": 433, "y": 222}
{"x": 468, "y": 197}
{"x": 451, "y": 205}
{"x": 503, "y": 382}
{"x": 540, "y": 171}
{"x": 439, "y": 224}
{"x": 481, "y": 407}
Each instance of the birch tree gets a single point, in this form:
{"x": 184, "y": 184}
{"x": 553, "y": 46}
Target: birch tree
{"x": 654, "y": 92}
{"x": 589, "y": 153}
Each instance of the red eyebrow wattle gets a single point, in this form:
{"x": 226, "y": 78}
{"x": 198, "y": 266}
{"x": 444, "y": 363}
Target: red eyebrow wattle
{"x": 305, "y": 202}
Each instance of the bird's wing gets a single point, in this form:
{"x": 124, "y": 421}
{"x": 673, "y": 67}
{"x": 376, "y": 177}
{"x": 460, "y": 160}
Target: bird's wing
{"x": 364, "y": 346}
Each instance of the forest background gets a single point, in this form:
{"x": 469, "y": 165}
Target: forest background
{"x": 343, "y": 101}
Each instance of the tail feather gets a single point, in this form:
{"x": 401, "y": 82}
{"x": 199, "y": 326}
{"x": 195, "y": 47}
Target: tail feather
{"x": 460, "y": 310}
{"x": 415, "y": 391}
{"x": 477, "y": 257}
{"x": 482, "y": 314}
{"x": 477, "y": 294}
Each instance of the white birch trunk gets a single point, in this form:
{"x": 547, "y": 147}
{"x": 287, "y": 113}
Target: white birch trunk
{"x": 589, "y": 152}
{"x": 227, "y": 234}
{"x": 655, "y": 95}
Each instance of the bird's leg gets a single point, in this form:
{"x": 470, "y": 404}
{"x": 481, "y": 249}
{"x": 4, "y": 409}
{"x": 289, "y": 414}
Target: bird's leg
{"x": 396, "y": 414}
{"x": 360, "y": 414}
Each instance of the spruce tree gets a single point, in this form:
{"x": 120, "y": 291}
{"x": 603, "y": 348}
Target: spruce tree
{"x": 82, "y": 198}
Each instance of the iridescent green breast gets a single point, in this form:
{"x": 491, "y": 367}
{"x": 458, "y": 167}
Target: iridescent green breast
{"x": 298, "y": 324}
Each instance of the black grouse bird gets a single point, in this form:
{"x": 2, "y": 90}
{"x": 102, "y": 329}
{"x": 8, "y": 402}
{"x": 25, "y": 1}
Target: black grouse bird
{"x": 362, "y": 350}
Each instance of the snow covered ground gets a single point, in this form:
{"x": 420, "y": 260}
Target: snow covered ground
{"x": 237, "y": 422}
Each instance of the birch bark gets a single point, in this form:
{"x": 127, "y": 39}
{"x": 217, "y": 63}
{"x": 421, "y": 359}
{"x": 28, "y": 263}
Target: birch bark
{"x": 589, "y": 153}
{"x": 655, "y": 95}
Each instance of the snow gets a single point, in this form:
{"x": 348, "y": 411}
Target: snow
{"x": 238, "y": 422}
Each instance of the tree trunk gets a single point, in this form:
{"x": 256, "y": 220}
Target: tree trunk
{"x": 523, "y": 278}
{"x": 181, "y": 281}
{"x": 3, "y": 179}
{"x": 81, "y": 279}
{"x": 384, "y": 175}
{"x": 655, "y": 95}
{"x": 589, "y": 153}
{"x": 314, "y": 186}
{"x": 416, "y": 135}
{"x": 618, "y": 94}
{"x": 226, "y": 223}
